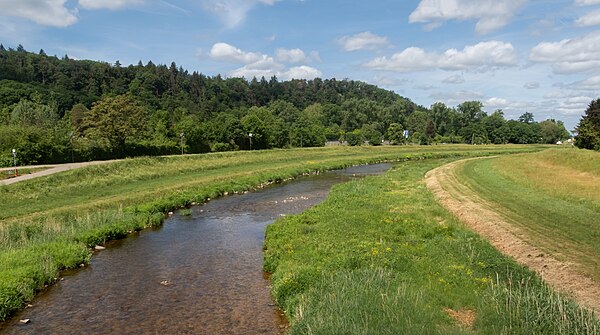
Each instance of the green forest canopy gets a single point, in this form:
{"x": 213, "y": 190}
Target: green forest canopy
{"x": 54, "y": 110}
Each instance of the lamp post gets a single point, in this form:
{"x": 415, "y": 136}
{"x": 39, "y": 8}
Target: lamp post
{"x": 14, "y": 152}
{"x": 182, "y": 137}
{"x": 250, "y": 136}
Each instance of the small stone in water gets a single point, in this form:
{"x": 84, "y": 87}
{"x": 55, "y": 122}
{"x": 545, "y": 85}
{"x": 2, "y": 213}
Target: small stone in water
{"x": 165, "y": 283}
{"x": 99, "y": 247}
{"x": 170, "y": 213}
{"x": 24, "y": 321}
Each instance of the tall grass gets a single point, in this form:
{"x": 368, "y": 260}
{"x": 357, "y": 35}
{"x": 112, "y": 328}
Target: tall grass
{"x": 50, "y": 223}
{"x": 380, "y": 256}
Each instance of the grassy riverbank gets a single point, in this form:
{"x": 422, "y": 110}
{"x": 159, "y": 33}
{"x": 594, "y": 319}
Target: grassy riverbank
{"x": 552, "y": 196}
{"x": 50, "y": 223}
{"x": 380, "y": 256}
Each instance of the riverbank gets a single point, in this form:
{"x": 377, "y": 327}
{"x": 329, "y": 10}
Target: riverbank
{"x": 542, "y": 209}
{"x": 53, "y": 222}
{"x": 381, "y": 256}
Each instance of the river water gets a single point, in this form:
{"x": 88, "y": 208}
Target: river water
{"x": 196, "y": 274}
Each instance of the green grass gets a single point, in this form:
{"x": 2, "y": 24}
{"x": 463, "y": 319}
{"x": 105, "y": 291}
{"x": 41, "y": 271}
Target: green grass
{"x": 380, "y": 256}
{"x": 49, "y": 223}
{"x": 554, "y": 196}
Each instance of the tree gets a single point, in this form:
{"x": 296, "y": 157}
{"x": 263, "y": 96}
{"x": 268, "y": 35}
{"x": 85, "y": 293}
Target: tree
{"x": 417, "y": 122}
{"x": 263, "y": 126}
{"x": 114, "y": 122}
{"x": 308, "y": 130}
{"x": 526, "y": 118}
{"x": 588, "y": 129}
{"x": 495, "y": 127}
{"x": 442, "y": 117}
{"x": 27, "y": 113}
{"x": 395, "y": 133}
{"x": 77, "y": 114}
{"x": 470, "y": 112}
{"x": 553, "y": 131}
{"x": 354, "y": 138}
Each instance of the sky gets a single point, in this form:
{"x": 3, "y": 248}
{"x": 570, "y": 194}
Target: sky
{"x": 541, "y": 57}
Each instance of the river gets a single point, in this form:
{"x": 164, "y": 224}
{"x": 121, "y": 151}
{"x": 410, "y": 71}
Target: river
{"x": 195, "y": 274}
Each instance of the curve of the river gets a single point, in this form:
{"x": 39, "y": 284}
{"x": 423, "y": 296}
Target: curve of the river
{"x": 196, "y": 274}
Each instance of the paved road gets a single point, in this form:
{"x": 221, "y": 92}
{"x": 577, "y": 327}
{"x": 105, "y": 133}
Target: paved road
{"x": 51, "y": 170}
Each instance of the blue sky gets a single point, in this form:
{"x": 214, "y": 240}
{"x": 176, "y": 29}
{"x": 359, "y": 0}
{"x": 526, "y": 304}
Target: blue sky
{"x": 516, "y": 55}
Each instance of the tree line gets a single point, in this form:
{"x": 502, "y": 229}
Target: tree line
{"x": 60, "y": 109}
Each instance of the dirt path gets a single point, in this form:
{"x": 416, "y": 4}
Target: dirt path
{"x": 51, "y": 170}
{"x": 481, "y": 217}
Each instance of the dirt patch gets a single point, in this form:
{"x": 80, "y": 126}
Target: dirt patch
{"x": 506, "y": 237}
{"x": 463, "y": 317}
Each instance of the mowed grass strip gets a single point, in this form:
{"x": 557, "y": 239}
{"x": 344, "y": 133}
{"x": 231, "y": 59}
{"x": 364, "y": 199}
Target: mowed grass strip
{"x": 48, "y": 224}
{"x": 554, "y": 196}
{"x": 380, "y": 256}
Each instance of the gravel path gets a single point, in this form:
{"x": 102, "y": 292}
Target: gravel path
{"x": 51, "y": 170}
{"x": 506, "y": 237}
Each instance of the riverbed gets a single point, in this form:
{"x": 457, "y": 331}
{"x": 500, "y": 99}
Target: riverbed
{"x": 198, "y": 273}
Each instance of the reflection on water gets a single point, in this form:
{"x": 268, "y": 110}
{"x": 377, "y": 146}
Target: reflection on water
{"x": 196, "y": 274}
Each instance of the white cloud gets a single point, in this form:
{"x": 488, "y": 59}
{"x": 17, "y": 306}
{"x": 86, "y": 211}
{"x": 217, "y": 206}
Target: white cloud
{"x": 261, "y": 65}
{"x": 386, "y": 81}
{"x": 590, "y": 19}
{"x": 573, "y": 106}
{"x": 570, "y": 55}
{"x": 496, "y": 103}
{"x": 455, "y": 79}
{"x": 483, "y": 56}
{"x": 457, "y": 97}
{"x": 268, "y": 68}
{"x": 532, "y": 85}
{"x": 301, "y": 72}
{"x": 491, "y": 14}
{"x": 410, "y": 59}
{"x": 363, "y": 41}
{"x": 228, "y": 53}
{"x": 232, "y": 12}
{"x": 425, "y": 87}
{"x": 296, "y": 56}
{"x": 108, "y": 4}
{"x": 44, "y": 12}
{"x": 589, "y": 84}
{"x": 587, "y": 2}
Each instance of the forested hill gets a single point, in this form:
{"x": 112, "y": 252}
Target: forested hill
{"x": 58, "y": 109}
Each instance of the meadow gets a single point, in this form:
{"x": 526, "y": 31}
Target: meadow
{"x": 52, "y": 223}
{"x": 551, "y": 196}
{"x": 381, "y": 256}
